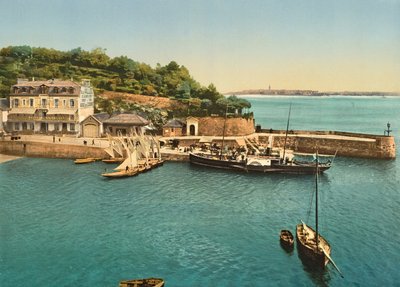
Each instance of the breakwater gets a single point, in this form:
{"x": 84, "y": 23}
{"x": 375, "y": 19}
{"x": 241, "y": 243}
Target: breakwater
{"x": 49, "y": 150}
{"x": 330, "y": 142}
{"x": 326, "y": 142}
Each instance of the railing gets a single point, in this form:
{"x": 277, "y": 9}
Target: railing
{"x": 56, "y": 118}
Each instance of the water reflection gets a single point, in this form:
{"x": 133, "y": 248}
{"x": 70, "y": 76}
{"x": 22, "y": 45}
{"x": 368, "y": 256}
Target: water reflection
{"x": 319, "y": 276}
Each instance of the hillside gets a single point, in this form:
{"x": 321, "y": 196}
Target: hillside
{"x": 120, "y": 74}
{"x": 147, "y": 101}
{"x": 121, "y": 84}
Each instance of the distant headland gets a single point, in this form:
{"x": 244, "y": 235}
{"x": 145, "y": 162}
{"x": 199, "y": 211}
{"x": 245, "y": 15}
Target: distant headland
{"x": 284, "y": 92}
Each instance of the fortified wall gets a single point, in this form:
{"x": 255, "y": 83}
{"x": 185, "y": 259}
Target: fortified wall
{"x": 50, "y": 150}
{"x": 214, "y": 126}
{"x": 346, "y": 144}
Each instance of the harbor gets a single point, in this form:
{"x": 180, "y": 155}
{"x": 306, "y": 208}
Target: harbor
{"x": 329, "y": 143}
{"x": 188, "y": 224}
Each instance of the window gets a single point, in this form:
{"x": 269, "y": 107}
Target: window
{"x": 16, "y": 103}
{"x": 31, "y": 102}
{"x": 71, "y": 103}
{"x": 23, "y": 103}
{"x": 16, "y": 126}
{"x": 56, "y": 103}
{"x": 55, "y": 90}
{"x": 56, "y": 127}
{"x": 31, "y": 126}
{"x": 63, "y": 90}
{"x": 44, "y": 103}
{"x": 71, "y": 90}
{"x": 64, "y": 103}
{"x": 72, "y": 127}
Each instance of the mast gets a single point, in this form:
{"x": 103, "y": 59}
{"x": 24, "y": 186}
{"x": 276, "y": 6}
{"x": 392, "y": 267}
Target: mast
{"x": 316, "y": 200}
{"x": 223, "y": 132}
{"x": 287, "y": 130}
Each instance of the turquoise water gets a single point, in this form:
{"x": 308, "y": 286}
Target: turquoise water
{"x": 64, "y": 225}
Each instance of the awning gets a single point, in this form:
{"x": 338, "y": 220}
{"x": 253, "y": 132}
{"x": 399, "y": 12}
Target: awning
{"x": 29, "y": 111}
{"x": 61, "y": 112}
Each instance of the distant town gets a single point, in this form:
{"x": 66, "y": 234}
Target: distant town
{"x": 284, "y": 92}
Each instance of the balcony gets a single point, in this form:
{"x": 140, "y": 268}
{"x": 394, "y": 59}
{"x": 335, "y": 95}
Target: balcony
{"x": 47, "y": 118}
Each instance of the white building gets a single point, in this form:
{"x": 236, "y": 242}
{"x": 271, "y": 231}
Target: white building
{"x": 52, "y": 106}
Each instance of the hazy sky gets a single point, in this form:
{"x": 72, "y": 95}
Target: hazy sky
{"x": 300, "y": 44}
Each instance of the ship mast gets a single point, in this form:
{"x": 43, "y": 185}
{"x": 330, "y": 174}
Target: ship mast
{"x": 316, "y": 201}
{"x": 223, "y": 133}
{"x": 287, "y": 130}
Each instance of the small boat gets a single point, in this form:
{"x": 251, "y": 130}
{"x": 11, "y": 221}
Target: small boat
{"x": 148, "y": 282}
{"x": 84, "y": 160}
{"x": 113, "y": 160}
{"x": 287, "y": 239}
{"x": 314, "y": 250}
{"x": 121, "y": 173}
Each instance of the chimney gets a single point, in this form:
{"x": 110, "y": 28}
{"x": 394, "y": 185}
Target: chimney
{"x": 20, "y": 80}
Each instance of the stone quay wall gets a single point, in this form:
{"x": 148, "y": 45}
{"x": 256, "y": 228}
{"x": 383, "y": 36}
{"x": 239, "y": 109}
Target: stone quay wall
{"x": 214, "y": 126}
{"x": 50, "y": 150}
{"x": 346, "y": 144}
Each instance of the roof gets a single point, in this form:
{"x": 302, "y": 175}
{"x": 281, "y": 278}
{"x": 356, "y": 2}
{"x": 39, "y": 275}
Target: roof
{"x": 101, "y": 117}
{"x": 4, "y": 104}
{"x": 174, "y": 123}
{"x": 127, "y": 119}
{"x": 49, "y": 83}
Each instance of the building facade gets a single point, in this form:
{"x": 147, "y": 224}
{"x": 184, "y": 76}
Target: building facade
{"x": 52, "y": 106}
{"x": 124, "y": 124}
{"x": 174, "y": 127}
{"x": 4, "y": 108}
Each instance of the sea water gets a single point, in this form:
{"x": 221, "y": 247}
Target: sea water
{"x": 64, "y": 225}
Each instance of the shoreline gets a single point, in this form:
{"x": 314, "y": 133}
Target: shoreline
{"x": 5, "y": 158}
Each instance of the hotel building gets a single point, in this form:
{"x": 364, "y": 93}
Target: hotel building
{"x": 52, "y": 106}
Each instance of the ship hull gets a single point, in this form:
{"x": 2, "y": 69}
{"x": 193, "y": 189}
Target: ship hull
{"x": 289, "y": 168}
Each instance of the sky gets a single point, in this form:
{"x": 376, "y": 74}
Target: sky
{"x": 324, "y": 45}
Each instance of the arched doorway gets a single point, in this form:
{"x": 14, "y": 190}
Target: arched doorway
{"x": 192, "y": 130}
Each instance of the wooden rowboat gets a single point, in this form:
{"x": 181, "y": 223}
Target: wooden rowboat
{"x": 120, "y": 174}
{"x": 84, "y": 160}
{"x": 287, "y": 239}
{"x": 113, "y": 160}
{"x": 148, "y": 282}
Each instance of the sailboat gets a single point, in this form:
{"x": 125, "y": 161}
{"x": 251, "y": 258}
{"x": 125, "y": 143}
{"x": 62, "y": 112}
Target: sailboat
{"x": 129, "y": 167}
{"x": 114, "y": 151}
{"x": 313, "y": 248}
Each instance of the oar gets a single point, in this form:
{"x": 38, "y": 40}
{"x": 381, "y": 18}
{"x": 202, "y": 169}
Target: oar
{"x": 334, "y": 156}
{"x": 333, "y": 263}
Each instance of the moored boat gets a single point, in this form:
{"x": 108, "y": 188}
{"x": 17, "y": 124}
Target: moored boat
{"x": 313, "y": 249}
{"x": 286, "y": 239}
{"x": 257, "y": 164}
{"x": 113, "y": 160}
{"x": 263, "y": 164}
{"x": 147, "y": 282}
{"x": 84, "y": 160}
{"x": 121, "y": 173}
